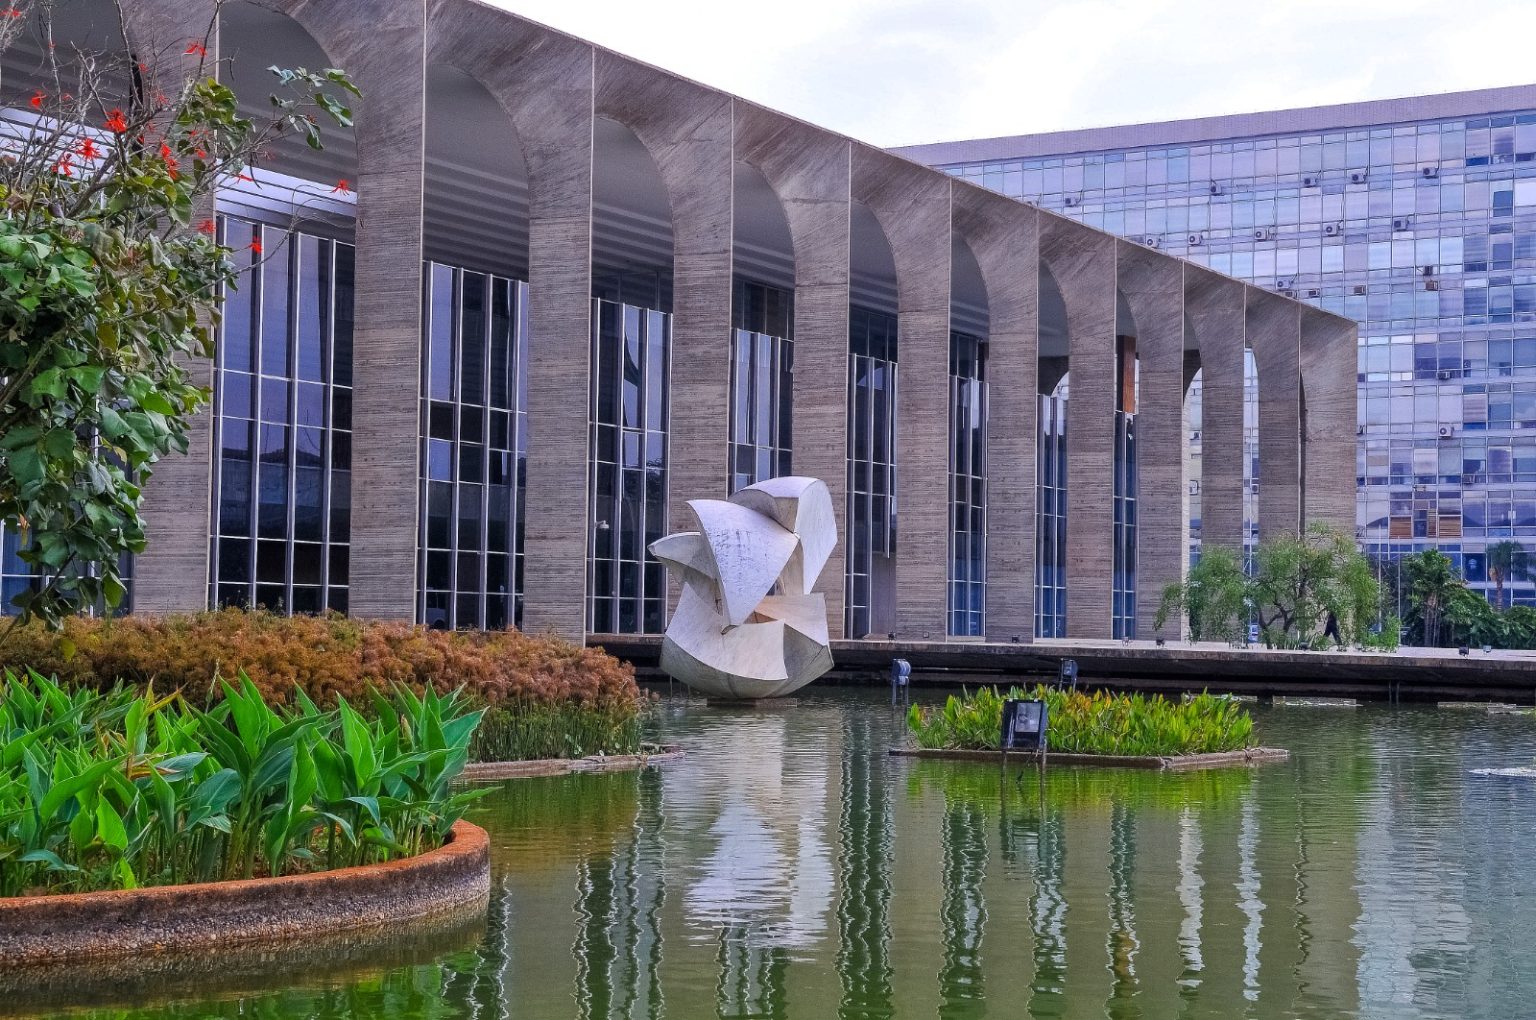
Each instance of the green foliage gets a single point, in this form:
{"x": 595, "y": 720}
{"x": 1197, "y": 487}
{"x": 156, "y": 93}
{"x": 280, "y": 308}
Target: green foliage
{"x": 106, "y": 291}
{"x": 1507, "y": 561}
{"x": 117, "y": 789}
{"x": 530, "y": 730}
{"x": 1297, "y": 584}
{"x": 1386, "y": 637}
{"x": 1097, "y": 723}
{"x": 1432, "y": 583}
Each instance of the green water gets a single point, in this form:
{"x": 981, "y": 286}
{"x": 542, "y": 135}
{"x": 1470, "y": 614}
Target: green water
{"x": 787, "y": 867}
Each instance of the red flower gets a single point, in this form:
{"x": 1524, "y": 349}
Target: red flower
{"x": 256, "y": 247}
{"x": 12, "y": 12}
{"x": 196, "y": 49}
{"x": 245, "y": 177}
{"x": 342, "y": 187}
{"x": 116, "y": 122}
{"x": 86, "y": 148}
{"x": 63, "y": 166}
{"x": 37, "y": 99}
{"x": 170, "y": 160}
{"x": 207, "y": 227}
{"x": 200, "y": 153}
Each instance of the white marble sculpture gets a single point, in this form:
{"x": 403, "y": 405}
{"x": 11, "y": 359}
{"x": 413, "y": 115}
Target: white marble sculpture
{"x": 747, "y": 624}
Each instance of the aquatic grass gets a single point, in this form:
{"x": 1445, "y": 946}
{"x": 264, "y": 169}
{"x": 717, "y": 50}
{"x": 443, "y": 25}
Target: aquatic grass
{"x": 119, "y": 789}
{"x": 530, "y": 730}
{"x": 1090, "y": 723}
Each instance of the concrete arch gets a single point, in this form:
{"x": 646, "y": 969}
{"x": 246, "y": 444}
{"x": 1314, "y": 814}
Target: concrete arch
{"x": 1274, "y": 335}
{"x": 1003, "y": 236}
{"x": 1152, "y": 288}
{"x": 809, "y": 172}
{"x": 913, "y": 210}
{"x": 1215, "y": 308}
{"x": 1329, "y": 398}
{"x": 1082, "y": 262}
{"x": 543, "y": 83}
{"x": 688, "y": 131}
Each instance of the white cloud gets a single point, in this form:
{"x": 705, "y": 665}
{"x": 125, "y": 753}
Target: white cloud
{"x": 903, "y": 71}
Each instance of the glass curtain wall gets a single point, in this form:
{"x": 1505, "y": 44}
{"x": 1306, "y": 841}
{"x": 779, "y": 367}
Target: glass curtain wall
{"x": 968, "y": 485}
{"x": 762, "y": 384}
{"x": 1123, "y": 618}
{"x": 1051, "y": 516}
{"x": 283, "y": 424}
{"x": 631, "y": 351}
{"x": 474, "y": 449}
{"x": 872, "y": 394}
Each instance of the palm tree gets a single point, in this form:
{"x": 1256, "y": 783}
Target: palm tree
{"x": 1507, "y": 561}
{"x": 1432, "y": 583}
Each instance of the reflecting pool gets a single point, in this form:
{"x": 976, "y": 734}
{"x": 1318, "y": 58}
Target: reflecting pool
{"x": 787, "y": 867}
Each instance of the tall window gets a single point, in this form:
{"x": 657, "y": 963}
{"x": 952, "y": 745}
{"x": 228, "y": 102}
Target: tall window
{"x": 283, "y": 424}
{"x": 968, "y": 485}
{"x": 871, "y": 471}
{"x": 628, "y": 413}
{"x": 1123, "y": 608}
{"x": 1051, "y": 512}
{"x": 762, "y": 383}
{"x": 474, "y": 448}
{"x": 17, "y": 576}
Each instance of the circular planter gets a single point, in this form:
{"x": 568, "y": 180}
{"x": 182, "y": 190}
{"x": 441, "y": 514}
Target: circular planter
{"x": 176, "y": 919}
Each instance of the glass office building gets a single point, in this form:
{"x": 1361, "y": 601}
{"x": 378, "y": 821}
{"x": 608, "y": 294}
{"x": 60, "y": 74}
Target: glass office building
{"x": 1416, "y": 218}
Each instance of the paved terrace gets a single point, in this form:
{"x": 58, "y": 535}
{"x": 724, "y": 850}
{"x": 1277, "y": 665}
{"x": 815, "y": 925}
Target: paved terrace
{"x": 1409, "y": 674}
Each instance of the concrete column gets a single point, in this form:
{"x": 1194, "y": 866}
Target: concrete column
{"x": 171, "y": 574}
{"x": 544, "y": 82}
{"x": 1153, "y": 287}
{"x": 688, "y": 130}
{"x": 1330, "y": 414}
{"x": 1274, "y": 333}
{"x": 809, "y": 170}
{"x": 1215, "y": 306}
{"x": 1004, "y": 236}
{"x": 912, "y": 206}
{"x": 1082, "y": 262}
{"x": 383, "y": 49}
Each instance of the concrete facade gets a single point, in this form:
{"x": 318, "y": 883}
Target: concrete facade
{"x": 559, "y": 98}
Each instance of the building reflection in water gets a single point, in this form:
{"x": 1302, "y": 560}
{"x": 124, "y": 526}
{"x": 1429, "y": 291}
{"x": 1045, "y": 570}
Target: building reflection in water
{"x": 963, "y": 913}
{"x": 1123, "y": 944}
{"x": 864, "y": 877}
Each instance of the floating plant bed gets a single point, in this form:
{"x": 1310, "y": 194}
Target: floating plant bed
{"x": 1179, "y": 762}
{"x": 489, "y": 770}
{"x": 78, "y": 928}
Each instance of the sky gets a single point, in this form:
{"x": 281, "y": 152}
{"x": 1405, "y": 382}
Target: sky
{"x": 894, "y": 72}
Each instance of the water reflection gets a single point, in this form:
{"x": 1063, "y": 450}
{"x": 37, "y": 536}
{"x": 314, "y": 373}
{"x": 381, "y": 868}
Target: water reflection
{"x": 788, "y": 868}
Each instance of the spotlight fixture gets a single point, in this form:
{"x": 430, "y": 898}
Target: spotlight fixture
{"x": 1161, "y": 642}
{"x": 1463, "y": 650}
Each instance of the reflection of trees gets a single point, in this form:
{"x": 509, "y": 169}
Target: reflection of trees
{"x": 963, "y": 912}
{"x": 1123, "y": 943}
{"x": 752, "y": 977}
{"x": 619, "y": 899}
{"x": 481, "y": 984}
{"x": 863, "y": 907}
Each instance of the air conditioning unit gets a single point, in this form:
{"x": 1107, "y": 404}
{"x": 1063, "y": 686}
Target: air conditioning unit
{"x": 1284, "y": 283}
{"x": 1194, "y": 435}
{"x": 1402, "y": 223}
{"x": 1430, "y": 172}
{"x": 1261, "y": 234}
{"x": 1196, "y": 239}
{"x": 1331, "y": 229}
{"x": 1153, "y": 241}
{"x": 1072, "y": 200}
{"x": 1194, "y": 488}
{"x": 1446, "y": 431}
{"x": 1358, "y": 289}
{"x": 1427, "y": 270}
{"x": 1431, "y": 284}
{"x": 1215, "y": 187}
{"x": 1313, "y": 292}
{"x": 1359, "y": 430}
{"x": 1309, "y": 181}
{"x": 1357, "y": 176}
{"x": 1444, "y": 375}
{"x": 1284, "y": 292}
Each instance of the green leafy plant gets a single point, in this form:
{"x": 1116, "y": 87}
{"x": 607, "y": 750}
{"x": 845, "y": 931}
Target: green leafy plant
{"x": 117, "y": 789}
{"x": 107, "y": 287}
{"x": 1084, "y": 723}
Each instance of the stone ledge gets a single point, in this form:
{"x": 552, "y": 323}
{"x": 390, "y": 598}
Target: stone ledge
{"x": 483, "y": 771}
{"x": 1182, "y": 762}
{"x": 74, "y": 927}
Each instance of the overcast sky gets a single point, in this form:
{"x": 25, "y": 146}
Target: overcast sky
{"x": 893, "y": 72}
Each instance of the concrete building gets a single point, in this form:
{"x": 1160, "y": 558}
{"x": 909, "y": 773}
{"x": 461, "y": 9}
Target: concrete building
{"x": 1414, "y": 217}
{"x": 482, "y": 354}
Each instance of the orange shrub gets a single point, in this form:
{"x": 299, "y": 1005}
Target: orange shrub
{"x": 326, "y": 656}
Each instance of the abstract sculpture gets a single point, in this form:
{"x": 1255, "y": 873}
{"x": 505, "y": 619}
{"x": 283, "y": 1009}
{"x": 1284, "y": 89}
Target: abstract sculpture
{"x": 748, "y": 625}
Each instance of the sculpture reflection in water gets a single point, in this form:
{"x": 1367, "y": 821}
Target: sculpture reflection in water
{"x": 748, "y": 624}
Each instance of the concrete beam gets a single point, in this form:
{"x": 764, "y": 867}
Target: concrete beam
{"x": 1330, "y": 413}
{"x": 1153, "y": 287}
{"x": 689, "y": 132}
{"x": 912, "y": 206}
{"x": 1274, "y": 333}
{"x": 1005, "y": 238}
{"x": 810, "y": 170}
{"x": 1215, "y": 306}
{"x": 543, "y": 80}
{"x": 1082, "y": 262}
